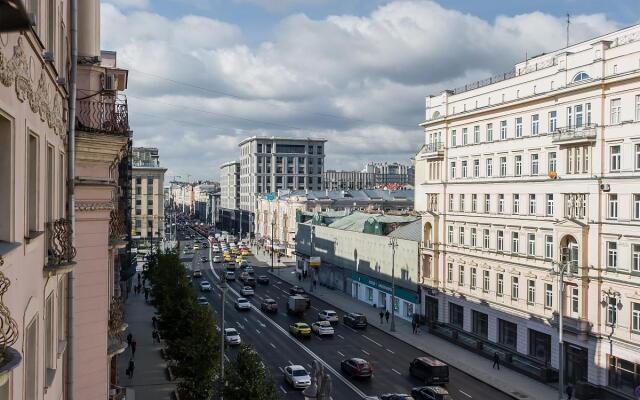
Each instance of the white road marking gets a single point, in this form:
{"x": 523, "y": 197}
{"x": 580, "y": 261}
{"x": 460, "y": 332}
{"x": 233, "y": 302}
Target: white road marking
{"x": 340, "y": 336}
{"x": 371, "y": 340}
{"x": 273, "y": 345}
{"x": 365, "y": 352}
{"x": 283, "y": 391}
{"x": 245, "y": 319}
{"x": 390, "y": 351}
{"x": 309, "y": 365}
{"x": 290, "y": 363}
{"x": 226, "y": 358}
{"x": 397, "y": 372}
{"x": 341, "y": 354}
{"x": 317, "y": 309}
{"x": 258, "y": 331}
{"x": 240, "y": 325}
{"x": 261, "y": 324}
{"x": 466, "y": 394}
{"x": 348, "y": 327}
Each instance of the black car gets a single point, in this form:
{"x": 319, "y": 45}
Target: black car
{"x": 263, "y": 280}
{"x": 204, "y": 259}
{"x": 396, "y": 396}
{"x": 429, "y": 370}
{"x": 250, "y": 281}
{"x": 355, "y": 320}
{"x": 357, "y": 367}
{"x": 430, "y": 393}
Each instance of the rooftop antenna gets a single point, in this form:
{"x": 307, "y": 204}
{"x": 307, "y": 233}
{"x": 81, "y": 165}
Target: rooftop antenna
{"x": 568, "y": 23}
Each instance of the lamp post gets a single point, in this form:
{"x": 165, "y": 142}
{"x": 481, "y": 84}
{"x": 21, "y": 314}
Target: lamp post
{"x": 223, "y": 289}
{"x": 312, "y": 233}
{"x": 273, "y": 225}
{"x": 393, "y": 242}
{"x": 562, "y": 270}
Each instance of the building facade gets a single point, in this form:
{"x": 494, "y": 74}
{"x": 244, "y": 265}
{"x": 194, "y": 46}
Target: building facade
{"x": 147, "y": 197}
{"x": 348, "y": 180}
{"x": 391, "y": 173}
{"x": 230, "y": 185}
{"x": 269, "y": 164}
{"x": 207, "y": 202}
{"x": 526, "y": 172}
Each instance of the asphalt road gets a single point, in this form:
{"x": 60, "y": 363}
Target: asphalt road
{"x": 268, "y": 333}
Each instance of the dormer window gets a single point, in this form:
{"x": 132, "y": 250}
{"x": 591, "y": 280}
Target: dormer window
{"x": 580, "y": 76}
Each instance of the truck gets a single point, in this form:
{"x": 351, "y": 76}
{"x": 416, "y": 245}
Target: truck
{"x": 296, "y": 305}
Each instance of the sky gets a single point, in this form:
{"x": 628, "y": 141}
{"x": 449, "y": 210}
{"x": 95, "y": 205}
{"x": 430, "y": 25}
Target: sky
{"x": 205, "y": 74}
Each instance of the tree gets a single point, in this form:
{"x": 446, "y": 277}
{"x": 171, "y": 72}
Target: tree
{"x": 247, "y": 378}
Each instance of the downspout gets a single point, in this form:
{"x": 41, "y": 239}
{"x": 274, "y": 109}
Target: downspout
{"x": 71, "y": 174}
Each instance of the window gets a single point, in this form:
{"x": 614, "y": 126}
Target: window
{"x": 507, "y": 333}
{"x": 476, "y": 134}
{"x": 489, "y": 132}
{"x": 456, "y": 315}
{"x": 450, "y": 272}
{"x": 474, "y": 237}
{"x": 480, "y": 323}
{"x": 32, "y": 185}
{"x": 569, "y": 117}
{"x": 535, "y": 124}
{"x": 612, "y": 206}
{"x": 553, "y": 161}
{"x": 553, "y": 121}
{"x": 485, "y": 238}
{"x": 31, "y": 360}
{"x": 534, "y": 164}
{"x": 587, "y": 107}
{"x": 516, "y": 204}
{"x": 580, "y": 76}
{"x": 550, "y": 205}
{"x": 474, "y": 278}
{"x": 453, "y": 169}
{"x": 623, "y": 375}
{"x": 450, "y": 202}
{"x": 637, "y": 156}
{"x": 500, "y": 240}
{"x": 453, "y": 138}
{"x": 540, "y": 346}
{"x": 461, "y": 202}
{"x": 474, "y": 203}
{"x": 461, "y": 275}
{"x": 531, "y": 248}
{"x": 515, "y": 287}
{"x": 489, "y": 167}
{"x": 499, "y": 284}
{"x": 612, "y": 311}
{"x": 503, "y": 130}
{"x": 615, "y": 111}
{"x": 501, "y": 204}
{"x": 486, "y": 280}
{"x": 503, "y": 166}
{"x": 578, "y": 111}
{"x": 6, "y": 178}
{"x": 49, "y": 335}
{"x": 532, "y": 204}
{"x": 531, "y": 292}
{"x": 515, "y": 242}
{"x": 518, "y": 166}
{"x": 637, "y": 108}
{"x": 635, "y": 317}
{"x": 548, "y": 247}
{"x": 612, "y": 254}
{"x": 465, "y": 136}
{"x": 519, "y": 127}
{"x": 548, "y": 295}
{"x": 50, "y": 197}
{"x": 464, "y": 169}
{"x": 635, "y": 258}
{"x": 62, "y": 309}
{"x": 614, "y": 158}
{"x": 487, "y": 203}
{"x": 450, "y": 234}
{"x": 461, "y": 235}
{"x": 476, "y": 168}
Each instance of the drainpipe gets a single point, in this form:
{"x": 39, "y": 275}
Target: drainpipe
{"x": 71, "y": 174}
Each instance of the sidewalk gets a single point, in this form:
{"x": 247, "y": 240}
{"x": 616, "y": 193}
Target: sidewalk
{"x": 505, "y": 380}
{"x": 149, "y": 379}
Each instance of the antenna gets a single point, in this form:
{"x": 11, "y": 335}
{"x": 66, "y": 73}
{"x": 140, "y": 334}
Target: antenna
{"x": 568, "y": 23}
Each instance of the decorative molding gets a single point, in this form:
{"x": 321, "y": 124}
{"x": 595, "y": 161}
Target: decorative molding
{"x": 94, "y": 205}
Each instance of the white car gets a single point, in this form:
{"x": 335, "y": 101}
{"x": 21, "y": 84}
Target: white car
{"x": 217, "y": 259}
{"x": 203, "y": 301}
{"x": 205, "y": 286}
{"x": 230, "y": 276}
{"x": 328, "y": 315}
{"x": 297, "y": 376}
{"x": 247, "y": 291}
{"x": 232, "y": 336}
{"x": 322, "y": 328}
{"x": 243, "y": 304}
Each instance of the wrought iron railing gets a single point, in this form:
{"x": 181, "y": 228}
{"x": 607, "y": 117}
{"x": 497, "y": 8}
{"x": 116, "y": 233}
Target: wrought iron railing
{"x": 573, "y": 133}
{"x": 116, "y": 318}
{"x": 110, "y": 117}
{"x": 60, "y": 249}
{"x": 8, "y": 326}
{"x": 117, "y": 223}
{"x": 485, "y": 82}
{"x": 433, "y": 147}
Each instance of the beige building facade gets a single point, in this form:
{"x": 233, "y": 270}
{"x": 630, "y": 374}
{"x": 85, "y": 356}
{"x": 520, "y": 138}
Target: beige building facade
{"x": 147, "y": 196}
{"x": 230, "y": 185}
{"x": 523, "y": 172}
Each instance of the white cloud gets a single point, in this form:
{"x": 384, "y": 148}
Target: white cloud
{"x": 281, "y": 5}
{"x": 129, "y": 3}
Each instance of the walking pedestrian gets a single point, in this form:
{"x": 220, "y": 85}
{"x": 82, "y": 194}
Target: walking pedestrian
{"x": 146, "y": 294}
{"x": 381, "y": 316}
{"x": 138, "y": 278}
{"x": 386, "y": 315}
{"x": 154, "y": 322}
{"x": 155, "y": 336}
{"x": 134, "y": 344}
{"x": 129, "y": 339}
{"x": 315, "y": 283}
{"x": 413, "y": 326}
{"x": 569, "y": 391}
{"x": 496, "y": 360}
{"x": 299, "y": 277}
{"x": 131, "y": 367}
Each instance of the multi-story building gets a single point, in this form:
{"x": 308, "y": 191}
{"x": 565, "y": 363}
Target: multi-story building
{"x": 278, "y": 215}
{"x": 528, "y": 172}
{"x": 207, "y": 201}
{"x": 147, "y": 197}
{"x": 387, "y": 173}
{"x": 348, "y": 180}
{"x": 182, "y": 196}
{"x": 269, "y": 164}
{"x": 230, "y": 185}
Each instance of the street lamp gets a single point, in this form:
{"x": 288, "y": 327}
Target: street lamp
{"x": 393, "y": 242}
{"x": 312, "y": 233}
{"x": 273, "y": 225}
{"x": 562, "y": 269}
{"x": 223, "y": 289}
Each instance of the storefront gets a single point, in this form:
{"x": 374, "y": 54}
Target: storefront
{"x": 377, "y": 292}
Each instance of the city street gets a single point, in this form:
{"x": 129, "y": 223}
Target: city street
{"x": 268, "y": 333}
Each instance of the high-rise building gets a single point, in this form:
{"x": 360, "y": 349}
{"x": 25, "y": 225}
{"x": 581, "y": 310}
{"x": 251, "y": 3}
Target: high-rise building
{"x": 230, "y": 185}
{"x": 527, "y": 173}
{"x": 147, "y": 196}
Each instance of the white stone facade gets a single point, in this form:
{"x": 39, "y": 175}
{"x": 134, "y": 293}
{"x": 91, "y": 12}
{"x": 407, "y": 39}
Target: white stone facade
{"x": 230, "y": 185}
{"x": 517, "y": 168}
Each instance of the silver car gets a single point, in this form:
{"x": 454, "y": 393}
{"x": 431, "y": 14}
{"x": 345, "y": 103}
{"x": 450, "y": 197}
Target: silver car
{"x": 328, "y": 315}
{"x": 297, "y": 376}
{"x": 232, "y": 336}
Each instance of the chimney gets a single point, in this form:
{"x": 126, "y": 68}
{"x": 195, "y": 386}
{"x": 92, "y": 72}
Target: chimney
{"x": 89, "y": 28}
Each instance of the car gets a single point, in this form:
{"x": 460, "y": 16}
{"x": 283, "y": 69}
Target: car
{"x": 429, "y": 370}
{"x": 217, "y": 259}
{"x": 204, "y": 259}
{"x": 244, "y": 252}
{"x": 430, "y": 393}
{"x": 300, "y": 329}
{"x": 328, "y": 315}
{"x": 355, "y": 320}
{"x": 269, "y": 305}
{"x": 232, "y": 336}
{"x": 249, "y": 270}
{"x": 396, "y": 396}
{"x": 242, "y": 304}
{"x": 197, "y": 273}
{"x": 243, "y": 276}
{"x": 203, "y": 301}
{"x": 227, "y": 258}
{"x": 205, "y": 286}
{"x": 230, "y": 276}
{"x": 196, "y": 247}
{"x": 250, "y": 281}
{"x": 247, "y": 291}
{"x": 357, "y": 367}
{"x": 297, "y": 376}
{"x": 263, "y": 280}
{"x": 297, "y": 290}
{"x": 244, "y": 263}
{"x": 238, "y": 259}
{"x": 322, "y": 328}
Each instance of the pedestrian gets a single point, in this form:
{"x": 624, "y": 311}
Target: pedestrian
{"x": 315, "y": 283}
{"x": 154, "y": 336}
{"x": 129, "y": 339}
{"x": 134, "y": 344}
{"x": 569, "y": 391}
{"x": 381, "y": 316}
{"x": 496, "y": 360}
{"x": 146, "y": 295}
{"x": 154, "y": 322}
{"x": 138, "y": 278}
{"x": 386, "y": 315}
{"x": 131, "y": 367}
{"x": 413, "y": 326}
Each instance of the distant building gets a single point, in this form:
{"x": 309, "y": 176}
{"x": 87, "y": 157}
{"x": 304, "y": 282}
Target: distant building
{"x": 147, "y": 196}
{"x": 207, "y": 202}
{"x": 391, "y": 173}
{"x": 348, "y": 180}
{"x": 230, "y": 185}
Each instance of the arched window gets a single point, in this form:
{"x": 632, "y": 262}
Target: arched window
{"x": 580, "y": 76}
{"x": 436, "y": 115}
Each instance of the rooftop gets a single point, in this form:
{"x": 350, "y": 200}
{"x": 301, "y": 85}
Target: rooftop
{"x": 284, "y": 139}
{"x": 346, "y": 195}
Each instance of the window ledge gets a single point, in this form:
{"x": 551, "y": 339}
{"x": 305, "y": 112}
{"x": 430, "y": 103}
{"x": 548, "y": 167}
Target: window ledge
{"x": 62, "y": 347}
{"x": 8, "y": 247}
{"x": 49, "y": 376}
{"x": 32, "y": 235}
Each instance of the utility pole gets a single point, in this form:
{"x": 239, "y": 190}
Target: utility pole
{"x": 273, "y": 224}
{"x": 312, "y": 233}
{"x": 562, "y": 269}
{"x": 393, "y": 242}
{"x": 223, "y": 289}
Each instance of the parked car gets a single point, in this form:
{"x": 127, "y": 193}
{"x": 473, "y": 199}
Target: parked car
{"x": 355, "y": 320}
{"x": 300, "y": 329}
{"x": 429, "y": 370}
{"x": 232, "y": 336}
{"x": 269, "y": 305}
{"x": 249, "y": 270}
{"x": 297, "y": 376}
{"x": 230, "y": 275}
{"x": 322, "y": 328}
{"x": 328, "y": 315}
{"x": 396, "y": 396}
{"x": 247, "y": 291}
{"x": 197, "y": 273}
{"x": 357, "y": 367}
{"x": 430, "y": 393}
{"x": 263, "y": 280}
{"x": 243, "y": 276}
{"x": 205, "y": 286}
{"x": 242, "y": 304}
{"x": 203, "y": 301}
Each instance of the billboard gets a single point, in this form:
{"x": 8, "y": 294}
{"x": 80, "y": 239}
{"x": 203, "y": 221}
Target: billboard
{"x": 314, "y": 262}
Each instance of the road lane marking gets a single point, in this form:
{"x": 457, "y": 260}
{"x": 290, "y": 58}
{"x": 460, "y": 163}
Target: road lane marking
{"x": 273, "y": 345}
{"x": 309, "y": 365}
{"x": 283, "y": 391}
{"x": 466, "y": 394}
{"x": 341, "y": 354}
{"x": 317, "y": 309}
{"x": 340, "y": 336}
{"x": 390, "y": 351}
{"x": 246, "y": 320}
{"x": 240, "y": 325}
{"x": 371, "y": 340}
{"x": 397, "y": 372}
{"x": 258, "y": 331}
{"x": 226, "y": 357}
{"x": 365, "y": 352}
{"x": 290, "y": 363}
{"x": 355, "y": 331}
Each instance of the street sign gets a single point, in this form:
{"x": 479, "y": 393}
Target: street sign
{"x": 314, "y": 262}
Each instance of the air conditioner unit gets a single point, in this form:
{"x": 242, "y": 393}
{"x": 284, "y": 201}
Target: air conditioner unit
{"x": 605, "y": 187}
{"x": 109, "y": 82}
{"x": 47, "y": 56}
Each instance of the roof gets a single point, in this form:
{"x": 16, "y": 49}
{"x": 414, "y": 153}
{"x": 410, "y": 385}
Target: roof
{"x": 411, "y": 231}
{"x": 356, "y": 221}
{"x": 294, "y": 139}
{"x": 346, "y": 195}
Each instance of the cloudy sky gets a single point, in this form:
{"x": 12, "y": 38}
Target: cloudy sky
{"x": 204, "y": 74}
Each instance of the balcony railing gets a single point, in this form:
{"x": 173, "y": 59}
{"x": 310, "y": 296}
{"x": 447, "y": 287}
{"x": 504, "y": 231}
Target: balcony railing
{"x": 117, "y": 224}
{"x": 433, "y": 147}
{"x": 109, "y": 117}
{"x": 60, "y": 251}
{"x": 427, "y": 244}
{"x": 9, "y": 357}
{"x": 116, "y": 326}
{"x": 586, "y": 133}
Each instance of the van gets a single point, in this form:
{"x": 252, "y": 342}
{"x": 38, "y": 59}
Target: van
{"x": 429, "y": 370}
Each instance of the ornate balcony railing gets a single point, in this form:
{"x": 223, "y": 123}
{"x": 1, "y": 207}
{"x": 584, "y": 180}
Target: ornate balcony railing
{"x": 9, "y": 357}
{"x": 60, "y": 250}
{"x": 117, "y": 224}
{"x": 433, "y": 147}
{"x": 116, "y": 327}
{"x": 110, "y": 117}
{"x": 586, "y": 133}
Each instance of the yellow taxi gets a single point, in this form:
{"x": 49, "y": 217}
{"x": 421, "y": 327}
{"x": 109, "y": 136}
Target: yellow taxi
{"x": 196, "y": 247}
{"x": 244, "y": 252}
{"x": 227, "y": 258}
{"x": 234, "y": 250}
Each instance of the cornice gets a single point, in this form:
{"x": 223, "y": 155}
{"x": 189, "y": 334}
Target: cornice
{"x": 88, "y": 205}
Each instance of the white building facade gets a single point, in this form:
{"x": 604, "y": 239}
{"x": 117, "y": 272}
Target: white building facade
{"x": 527, "y": 170}
{"x": 230, "y": 185}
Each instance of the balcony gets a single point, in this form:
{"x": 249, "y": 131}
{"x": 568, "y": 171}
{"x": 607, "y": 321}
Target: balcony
{"x": 574, "y": 325}
{"x": 60, "y": 251}
{"x": 426, "y": 245}
{"x": 116, "y": 343}
{"x": 433, "y": 150}
{"x": 117, "y": 227}
{"x": 107, "y": 117}
{"x": 10, "y": 358}
{"x": 569, "y": 136}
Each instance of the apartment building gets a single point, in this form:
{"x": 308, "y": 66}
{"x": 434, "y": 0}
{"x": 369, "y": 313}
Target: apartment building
{"x": 522, "y": 173}
{"x": 147, "y": 196}
{"x": 207, "y": 201}
{"x": 391, "y": 173}
{"x": 348, "y": 180}
{"x": 230, "y": 185}
{"x": 268, "y": 164}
